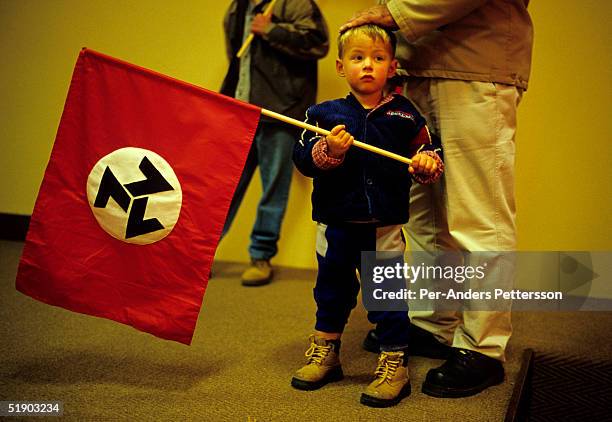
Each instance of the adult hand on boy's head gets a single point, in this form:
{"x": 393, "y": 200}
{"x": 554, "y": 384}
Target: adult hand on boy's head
{"x": 423, "y": 163}
{"x": 377, "y": 15}
{"x": 338, "y": 141}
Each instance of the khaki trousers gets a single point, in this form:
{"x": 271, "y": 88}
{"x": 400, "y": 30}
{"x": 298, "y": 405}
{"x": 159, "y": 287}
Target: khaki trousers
{"x": 472, "y": 208}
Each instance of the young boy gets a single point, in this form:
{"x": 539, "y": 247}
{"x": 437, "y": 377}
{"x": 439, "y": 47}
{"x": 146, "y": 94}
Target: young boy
{"x": 360, "y": 202}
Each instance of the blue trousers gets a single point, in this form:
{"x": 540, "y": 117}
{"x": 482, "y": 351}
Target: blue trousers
{"x": 339, "y": 250}
{"x": 271, "y": 151}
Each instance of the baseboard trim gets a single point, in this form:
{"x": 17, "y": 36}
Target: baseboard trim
{"x": 14, "y": 226}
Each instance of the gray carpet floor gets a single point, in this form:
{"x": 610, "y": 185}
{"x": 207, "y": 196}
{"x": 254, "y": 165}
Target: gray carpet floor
{"x": 246, "y": 346}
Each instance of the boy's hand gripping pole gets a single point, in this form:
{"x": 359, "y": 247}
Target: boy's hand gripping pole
{"x": 324, "y": 132}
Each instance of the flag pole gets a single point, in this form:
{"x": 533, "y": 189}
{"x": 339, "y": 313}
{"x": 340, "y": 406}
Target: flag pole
{"x": 249, "y": 39}
{"x": 325, "y": 132}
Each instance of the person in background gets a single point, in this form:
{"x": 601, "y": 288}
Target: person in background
{"x": 278, "y": 72}
{"x": 360, "y": 201}
{"x": 468, "y": 63}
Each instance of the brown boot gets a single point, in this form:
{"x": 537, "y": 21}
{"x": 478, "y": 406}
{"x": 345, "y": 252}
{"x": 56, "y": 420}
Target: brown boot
{"x": 391, "y": 384}
{"x": 258, "y": 273}
{"x": 323, "y": 365}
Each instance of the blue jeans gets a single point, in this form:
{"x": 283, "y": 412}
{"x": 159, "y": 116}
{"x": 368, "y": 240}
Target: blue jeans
{"x": 271, "y": 149}
{"x": 339, "y": 250}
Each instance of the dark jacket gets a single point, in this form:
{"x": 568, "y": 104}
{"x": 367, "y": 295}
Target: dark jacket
{"x": 366, "y": 186}
{"x": 283, "y": 60}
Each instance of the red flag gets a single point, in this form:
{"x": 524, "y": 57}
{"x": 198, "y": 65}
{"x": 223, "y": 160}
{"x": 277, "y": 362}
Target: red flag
{"x": 134, "y": 197}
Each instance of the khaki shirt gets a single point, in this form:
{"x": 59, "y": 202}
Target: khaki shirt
{"x": 476, "y": 40}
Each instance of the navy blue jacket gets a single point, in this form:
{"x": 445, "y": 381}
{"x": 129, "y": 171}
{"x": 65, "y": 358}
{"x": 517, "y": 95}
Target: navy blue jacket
{"x": 366, "y": 186}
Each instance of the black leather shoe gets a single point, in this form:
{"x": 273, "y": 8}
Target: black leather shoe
{"x": 422, "y": 343}
{"x": 370, "y": 342}
{"x": 464, "y": 374}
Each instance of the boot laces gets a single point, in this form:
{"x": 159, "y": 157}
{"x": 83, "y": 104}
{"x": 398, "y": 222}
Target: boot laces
{"x": 316, "y": 353}
{"x": 388, "y": 362}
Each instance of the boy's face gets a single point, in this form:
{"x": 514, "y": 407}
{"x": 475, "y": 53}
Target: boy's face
{"x": 366, "y": 64}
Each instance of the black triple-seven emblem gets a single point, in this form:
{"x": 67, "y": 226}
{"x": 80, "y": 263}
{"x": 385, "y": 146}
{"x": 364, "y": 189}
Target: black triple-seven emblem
{"x": 110, "y": 187}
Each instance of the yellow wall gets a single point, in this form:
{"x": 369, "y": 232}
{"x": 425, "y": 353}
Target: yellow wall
{"x": 564, "y": 188}
{"x": 564, "y": 176}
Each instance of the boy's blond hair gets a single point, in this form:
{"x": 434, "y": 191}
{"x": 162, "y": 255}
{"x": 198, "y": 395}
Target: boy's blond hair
{"x": 374, "y": 32}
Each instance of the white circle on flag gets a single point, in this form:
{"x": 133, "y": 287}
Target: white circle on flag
{"x": 134, "y": 195}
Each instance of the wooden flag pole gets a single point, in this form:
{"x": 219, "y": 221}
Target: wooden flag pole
{"x": 249, "y": 39}
{"x": 324, "y": 132}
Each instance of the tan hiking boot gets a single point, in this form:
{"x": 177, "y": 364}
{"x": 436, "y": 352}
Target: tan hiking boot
{"x": 323, "y": 366}
{"x": 258, "y": 274}
{"x": 392, "y": 383}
